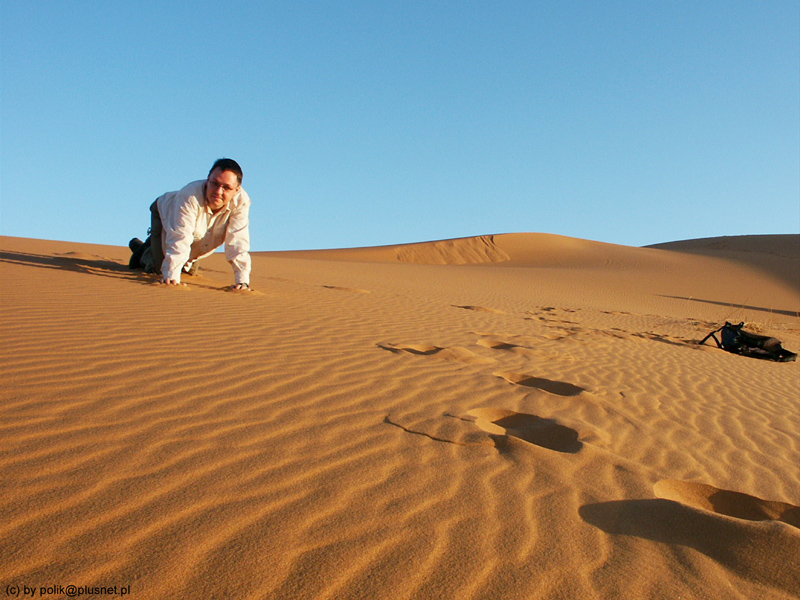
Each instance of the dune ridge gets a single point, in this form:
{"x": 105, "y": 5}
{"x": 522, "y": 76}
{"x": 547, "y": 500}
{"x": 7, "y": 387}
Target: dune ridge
{"x": 466, "y": 251}
{"x": 777, "y": 254}
{"x": 543, "y": 425}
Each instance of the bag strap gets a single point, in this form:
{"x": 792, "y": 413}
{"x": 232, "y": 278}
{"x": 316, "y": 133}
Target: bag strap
{"x": 711, "y": 335}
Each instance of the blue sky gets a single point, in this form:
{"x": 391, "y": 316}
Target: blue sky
{"x": 361, "y": 123}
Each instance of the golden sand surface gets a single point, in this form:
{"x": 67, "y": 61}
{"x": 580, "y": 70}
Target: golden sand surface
{"x": 520, "y": 416}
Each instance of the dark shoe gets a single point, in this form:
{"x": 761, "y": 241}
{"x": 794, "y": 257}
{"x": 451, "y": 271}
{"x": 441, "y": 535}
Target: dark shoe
{"x": 138, "y": 247}
{"x": 191, "y": 268}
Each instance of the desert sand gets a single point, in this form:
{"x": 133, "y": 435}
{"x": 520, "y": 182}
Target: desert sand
{"x": 498, "y": 417}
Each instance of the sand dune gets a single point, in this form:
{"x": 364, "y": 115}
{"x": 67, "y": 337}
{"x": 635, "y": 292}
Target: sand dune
{"x": 507, "y": 416}
{"x": 778, "y": 255}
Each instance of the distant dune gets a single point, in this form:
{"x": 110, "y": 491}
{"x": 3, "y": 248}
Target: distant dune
{"x": 781, "y": 252}
{"x": 502, "y": 416}
{"x": 710, "y": 270}
{"x": 776, "y": 254}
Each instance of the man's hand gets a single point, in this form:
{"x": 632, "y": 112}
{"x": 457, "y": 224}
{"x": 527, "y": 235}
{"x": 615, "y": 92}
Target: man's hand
{"x": 240, "y": 286}
{"x": 166, "y": 281}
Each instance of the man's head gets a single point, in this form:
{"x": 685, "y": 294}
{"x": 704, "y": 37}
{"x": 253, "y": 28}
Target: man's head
{"x": 228, "y": 164}
{"x": 223, "y": 183}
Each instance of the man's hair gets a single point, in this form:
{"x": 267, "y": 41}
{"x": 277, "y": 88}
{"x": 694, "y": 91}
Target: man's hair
{"x": 228, "y": 164}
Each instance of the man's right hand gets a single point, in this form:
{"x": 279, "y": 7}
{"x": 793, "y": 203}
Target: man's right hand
{"x": 166, "y": 281}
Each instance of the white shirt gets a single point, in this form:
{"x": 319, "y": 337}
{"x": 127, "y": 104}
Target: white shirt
{"x": 192, "y": 231}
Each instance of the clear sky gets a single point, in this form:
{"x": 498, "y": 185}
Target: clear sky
{"x": 361, "y": 123}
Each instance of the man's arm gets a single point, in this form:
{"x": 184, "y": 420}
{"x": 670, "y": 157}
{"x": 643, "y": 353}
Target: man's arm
{"x": 179, "y": 218}
{"x": 237, "y": 241}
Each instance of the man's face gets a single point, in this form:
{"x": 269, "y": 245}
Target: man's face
{"x": 221, "y": 188}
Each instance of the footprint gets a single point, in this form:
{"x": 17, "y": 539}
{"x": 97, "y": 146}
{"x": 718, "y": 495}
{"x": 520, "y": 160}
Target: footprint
{"x": 544, "y": 309}
{"x": 559, "y": 388}
{"x": 558, "y": 333}
{"x": 456, "y": 353}
{"x": 411, "y": 348}
{"x": 547, "y": 313}
{"x": 480, "y": 309}
{"x": 547, "y": 433}
{"x": 725, "y": 502}
{"x": 346, "y": 289}
{"x": 497, "y": 344}
{"x": 519, "y": 349}
{"x": 764, "y": 557}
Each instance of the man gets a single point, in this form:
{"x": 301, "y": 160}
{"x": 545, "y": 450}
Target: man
{"x": 191, "y": 223}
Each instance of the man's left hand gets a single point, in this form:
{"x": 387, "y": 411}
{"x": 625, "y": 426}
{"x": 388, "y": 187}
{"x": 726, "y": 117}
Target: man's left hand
{"x": 166, "y": 281}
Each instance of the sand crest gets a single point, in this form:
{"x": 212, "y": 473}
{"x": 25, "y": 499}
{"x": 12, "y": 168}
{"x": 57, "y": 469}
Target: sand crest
{"x": 508, "y": 416}
{"x": 726, "y": 502}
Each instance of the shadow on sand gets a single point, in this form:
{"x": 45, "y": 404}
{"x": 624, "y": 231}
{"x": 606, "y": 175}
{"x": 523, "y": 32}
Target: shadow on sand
{"x": 788, "y": 313}
{"x": 759, "y": 549}
{"x": 76, "y": 263}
